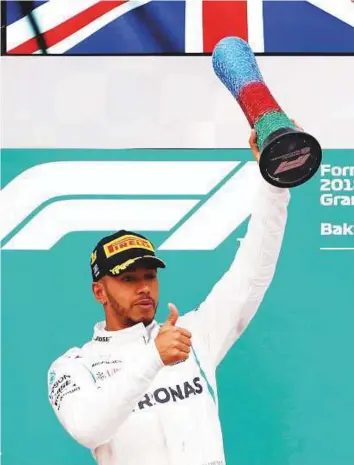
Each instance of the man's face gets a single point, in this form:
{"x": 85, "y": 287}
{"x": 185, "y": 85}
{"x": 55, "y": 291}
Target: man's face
{"x": 132, "y": 295}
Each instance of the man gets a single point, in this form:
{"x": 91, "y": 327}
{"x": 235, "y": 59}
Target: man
{"x": 140, "y": 393}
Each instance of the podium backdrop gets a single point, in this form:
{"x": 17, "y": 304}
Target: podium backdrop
{"x": 286, "y": 388}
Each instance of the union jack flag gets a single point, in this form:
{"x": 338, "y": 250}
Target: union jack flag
{"x": 182, "y": 27}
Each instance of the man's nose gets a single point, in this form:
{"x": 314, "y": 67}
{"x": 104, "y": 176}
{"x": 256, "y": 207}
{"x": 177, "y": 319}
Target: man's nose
{"x": 144, "y": 289}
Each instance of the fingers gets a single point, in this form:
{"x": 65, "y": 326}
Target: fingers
{"x": 181, "y": 357}
{"x": 185, "y": 340}
{"x": 183, "y": 348}
{"x": 184, "y": 332}
{"x": 297, "y": 125}
{"x": 253, "y": 138}
{"x": 183, "y": 343}
{"x": 253, "y": 144}
{"x": 182, "y": 336}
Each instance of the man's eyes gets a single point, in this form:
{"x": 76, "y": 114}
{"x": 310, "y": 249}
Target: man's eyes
{"x": 151, "y": 276}
{"x": 128, "y": 279}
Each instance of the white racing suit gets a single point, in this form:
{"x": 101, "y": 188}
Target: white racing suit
{"x": 115, "y": 396}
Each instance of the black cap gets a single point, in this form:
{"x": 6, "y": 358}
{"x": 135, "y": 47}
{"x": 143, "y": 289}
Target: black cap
{"x": 120, "y": 251}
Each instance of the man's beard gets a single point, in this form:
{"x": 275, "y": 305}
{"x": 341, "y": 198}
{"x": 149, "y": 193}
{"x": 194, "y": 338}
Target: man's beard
{"x": 125, "y": 315}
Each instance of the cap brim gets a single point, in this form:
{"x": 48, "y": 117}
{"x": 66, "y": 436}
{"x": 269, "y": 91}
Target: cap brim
{"x": 148, "y": 261}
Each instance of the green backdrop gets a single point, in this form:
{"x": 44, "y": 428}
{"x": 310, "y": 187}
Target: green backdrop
{"x": 286, "y": 388}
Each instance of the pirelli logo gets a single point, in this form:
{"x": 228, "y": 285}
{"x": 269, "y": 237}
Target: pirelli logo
{"x": 125, "y": 243}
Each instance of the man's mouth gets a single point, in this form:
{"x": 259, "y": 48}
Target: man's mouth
{"x": 145, "y": 304}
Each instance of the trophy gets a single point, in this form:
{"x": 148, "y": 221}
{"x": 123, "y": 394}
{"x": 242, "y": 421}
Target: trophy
{"x": 288, "y": 156}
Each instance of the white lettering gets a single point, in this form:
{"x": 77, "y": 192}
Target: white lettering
{"x": 326, "y": 229}
{"x": 348, "y": 230}
{"x": 329, "y": 200}
{"x": 325, "y": 169}
{"x": 337, "y": 170}
{"x": 344, "y": 229}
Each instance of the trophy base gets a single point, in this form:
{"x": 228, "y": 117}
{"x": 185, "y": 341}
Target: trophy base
{"x": 289, "y": 158}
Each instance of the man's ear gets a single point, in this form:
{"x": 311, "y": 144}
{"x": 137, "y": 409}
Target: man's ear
{"x": 99, "y": 292}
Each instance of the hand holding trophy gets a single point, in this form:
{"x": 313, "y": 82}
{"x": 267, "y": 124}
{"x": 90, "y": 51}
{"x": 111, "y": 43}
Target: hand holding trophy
{"x": 288, "y": 156}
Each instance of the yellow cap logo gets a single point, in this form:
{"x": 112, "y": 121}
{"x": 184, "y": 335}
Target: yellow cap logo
{"x": 117, "y": 269}
{"x": 93, "y": 257}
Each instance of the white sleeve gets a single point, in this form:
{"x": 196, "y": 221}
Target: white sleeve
{"x": 228, "y": 309}
{"x": 92, "y": 414}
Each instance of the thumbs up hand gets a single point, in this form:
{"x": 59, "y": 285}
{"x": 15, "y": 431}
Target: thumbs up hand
{"x": 172, "y": 342}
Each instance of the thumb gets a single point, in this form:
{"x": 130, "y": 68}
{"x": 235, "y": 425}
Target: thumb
{"x": 173, "y": 316}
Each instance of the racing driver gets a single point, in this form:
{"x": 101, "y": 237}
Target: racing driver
{"x": 144, "y": 393}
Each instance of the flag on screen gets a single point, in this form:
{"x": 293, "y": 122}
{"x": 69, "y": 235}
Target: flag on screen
{"x": 176, "y": 26}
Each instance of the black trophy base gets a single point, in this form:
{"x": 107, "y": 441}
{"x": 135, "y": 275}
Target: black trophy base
{"x": 289, "y": 158}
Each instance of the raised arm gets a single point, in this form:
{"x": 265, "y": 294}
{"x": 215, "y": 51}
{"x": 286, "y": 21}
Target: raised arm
{"x": 92, "y": 413}
{"x": 223, "y": 316}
